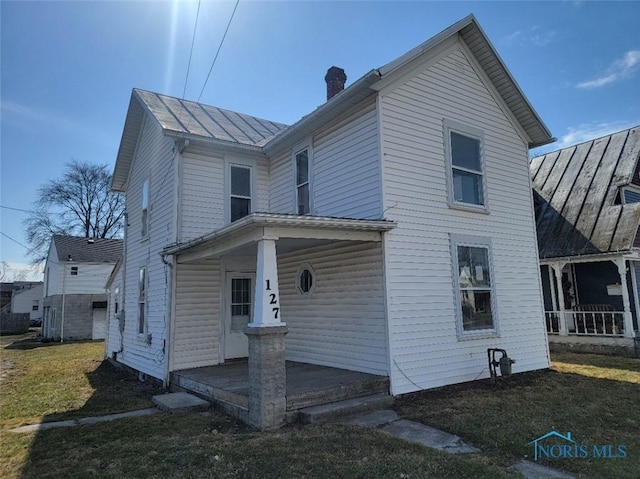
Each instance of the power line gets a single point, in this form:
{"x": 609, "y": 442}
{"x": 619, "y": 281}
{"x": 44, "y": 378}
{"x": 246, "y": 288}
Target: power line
{"x": 14, "y": 240}
{"x": 30, "y": 211}
{"x": 219, "y": 48}
{"x": 193, "y": 40}
{"x": 16, "y": 209}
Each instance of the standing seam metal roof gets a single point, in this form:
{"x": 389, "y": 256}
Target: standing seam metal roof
{"x": 577, "y": 196}
{"x": 209, "y": 122}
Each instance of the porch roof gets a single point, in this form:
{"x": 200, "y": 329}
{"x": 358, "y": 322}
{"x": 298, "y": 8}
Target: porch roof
{"x": 593, "y": 258}
{"x": 304, "y": 230}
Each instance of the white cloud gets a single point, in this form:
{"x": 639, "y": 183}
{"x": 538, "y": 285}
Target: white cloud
{"x": 624, "y": 67}
{"x": 535, "y": 36}
{"x": 591, "y": 131}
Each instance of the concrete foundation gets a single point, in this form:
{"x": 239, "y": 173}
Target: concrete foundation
{"x": 614, "y": 346}
{"x": 267, "y": 377}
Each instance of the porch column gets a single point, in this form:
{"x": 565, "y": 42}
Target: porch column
{"x": 628, "y": 319}
{"x": 557, "y": 271}
{"x": 267, "y": 373}
{"x": 267, "y": 302}
{"x": 634, "y": 288}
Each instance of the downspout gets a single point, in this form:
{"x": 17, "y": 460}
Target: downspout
{"x": 123, "y": 308}
{"x": 64, "y": 275}
{"x": 166, "y": 341}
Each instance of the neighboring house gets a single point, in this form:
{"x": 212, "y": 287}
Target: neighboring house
{"x": 390, "y": 232}
{"x": 74, "y": 302}
{"x": 6, "y": 291}
{"x": 587, "y": 201}
{"x": 29, "y": 300}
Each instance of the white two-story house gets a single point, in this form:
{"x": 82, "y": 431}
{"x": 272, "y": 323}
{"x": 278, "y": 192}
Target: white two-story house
{"x": 390, "y": 232}
{"x": 74, "y": 299}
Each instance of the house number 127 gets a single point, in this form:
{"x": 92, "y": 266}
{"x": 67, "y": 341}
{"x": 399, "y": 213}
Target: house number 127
{"x": 273, "y": 299}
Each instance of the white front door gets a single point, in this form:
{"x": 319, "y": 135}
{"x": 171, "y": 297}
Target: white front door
{"x": 240, "y": 293}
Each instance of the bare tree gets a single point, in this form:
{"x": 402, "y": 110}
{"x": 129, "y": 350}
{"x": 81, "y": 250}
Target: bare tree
{"x": 79, "y": 203}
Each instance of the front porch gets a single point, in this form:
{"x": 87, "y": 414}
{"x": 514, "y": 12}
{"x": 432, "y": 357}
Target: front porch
{"x": 307, "y": 385}
{"x": 240, "y": 290}
{"x": 592, "y": 303}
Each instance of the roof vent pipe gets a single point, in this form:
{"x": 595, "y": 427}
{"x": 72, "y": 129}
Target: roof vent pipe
{"x": 335, "y": 78}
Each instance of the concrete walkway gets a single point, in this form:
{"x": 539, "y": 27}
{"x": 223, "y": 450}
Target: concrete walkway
{"x": 165, "y": 402}
{"x": 385, "y": 420}
{"x": 389, "y": 422}
{"x": 86, "y": 420}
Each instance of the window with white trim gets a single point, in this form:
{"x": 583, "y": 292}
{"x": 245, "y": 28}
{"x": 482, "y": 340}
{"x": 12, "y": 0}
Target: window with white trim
{"x": 473, "y": 281}
{"x": 35, "y": 305}
{"x": 464, "y": 149}
{"x": 145, "y": 209}
{"x": 142, "y": 300}
{"x": 303, "y": 186}
{"x": 74, "y": 271}
{"x": 240, "y": 192}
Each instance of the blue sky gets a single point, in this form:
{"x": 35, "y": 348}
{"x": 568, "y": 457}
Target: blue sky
{"x": 67, "y": 68}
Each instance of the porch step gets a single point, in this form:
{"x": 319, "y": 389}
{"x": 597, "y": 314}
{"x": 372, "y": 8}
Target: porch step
{"x": 180, "y": 402}
{"x": 350, "y": 388}
{"x": 337, "y": 410}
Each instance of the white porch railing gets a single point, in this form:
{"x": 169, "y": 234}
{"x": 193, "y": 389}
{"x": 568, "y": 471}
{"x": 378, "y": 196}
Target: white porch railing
{"x": 591, "y": 323}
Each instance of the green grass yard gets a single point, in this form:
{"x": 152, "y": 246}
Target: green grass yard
{"x": 57, "y": 382}
{"x": 596, "y": 398}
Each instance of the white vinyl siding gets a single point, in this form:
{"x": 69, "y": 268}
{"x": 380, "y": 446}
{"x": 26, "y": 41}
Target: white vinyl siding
{"x": 115, "y": 294}
{"x": 25, "y": 302}
{"x": 202, "y": 208}
{"x": 90, "y": 279}
{"x": 342, "y": 324}
{"x": 196, "y": 328}
{"x": 346, "y": 167}
{"x": 421, "y": 301}
{"x": 345, "y": 170}
{"x": 153, "y": 162}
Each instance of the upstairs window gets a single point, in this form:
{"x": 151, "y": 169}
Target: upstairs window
{"x": 240, "y": 192}
{"x": 303, "y": 193}
{"x": 74, "y": 271}
{"x": 466, "y": 165}
{"x": 145, "y": 209}
{"x": 35, "y": 305}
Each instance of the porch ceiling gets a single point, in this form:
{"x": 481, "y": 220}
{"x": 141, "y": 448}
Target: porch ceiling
{"x": 291, "y": 232}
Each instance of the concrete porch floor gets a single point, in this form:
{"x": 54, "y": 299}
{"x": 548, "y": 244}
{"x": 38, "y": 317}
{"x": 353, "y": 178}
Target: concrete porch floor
{"x": 307, "y": 384}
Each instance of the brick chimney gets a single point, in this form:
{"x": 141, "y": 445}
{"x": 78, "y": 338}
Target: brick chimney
{"x": 335, "y": 78}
